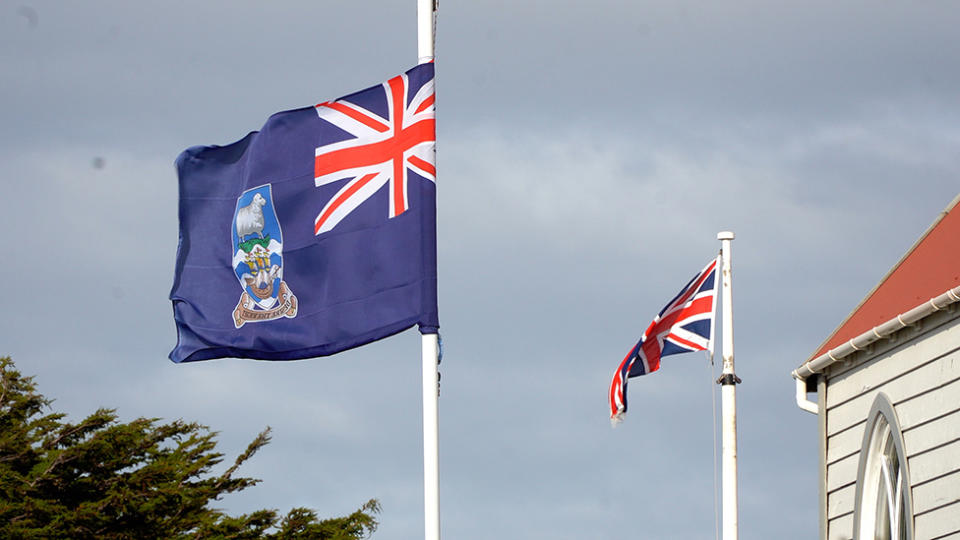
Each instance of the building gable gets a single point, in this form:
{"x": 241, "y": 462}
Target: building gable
{"x": 930, "y": 267}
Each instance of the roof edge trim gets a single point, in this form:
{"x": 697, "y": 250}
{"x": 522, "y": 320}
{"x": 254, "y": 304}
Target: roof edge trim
{"x": 906, "y": 255}
{"x": 825, "y": 360}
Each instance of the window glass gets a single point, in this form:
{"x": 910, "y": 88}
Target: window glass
{"x": 882, "y": 509}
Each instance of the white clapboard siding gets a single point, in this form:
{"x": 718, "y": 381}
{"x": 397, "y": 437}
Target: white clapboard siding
{"x": 920, "y": 349}
{"x": 842, "y": 472}
{"x": 943, "y": 398}
{"x": 933, "y": 433}
{"x": 943, "y": 523}
{"x": 840, "y": 501}
{"x": 935, "y": 463}
{"x": 840, "y": 528}
{"x": 936, "y": 493}
{"x": 919, "y": 371}
{"x": 848, "y": 441}
{"x": 918, "y": 381}
{"x": 939, "y": 401}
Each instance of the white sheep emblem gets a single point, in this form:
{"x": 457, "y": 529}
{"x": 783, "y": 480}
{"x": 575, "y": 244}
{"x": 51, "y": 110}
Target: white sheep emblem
{"x": 250, "y": 218}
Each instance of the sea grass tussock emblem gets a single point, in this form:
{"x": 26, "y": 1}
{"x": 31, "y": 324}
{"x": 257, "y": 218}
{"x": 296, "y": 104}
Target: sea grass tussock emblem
{"x": 258, "y": 260}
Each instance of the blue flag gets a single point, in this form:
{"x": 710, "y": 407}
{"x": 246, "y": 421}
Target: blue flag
{"x": 314, "y": 235}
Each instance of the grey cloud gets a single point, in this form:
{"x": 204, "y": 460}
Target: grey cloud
{"x": 588, "y": 154}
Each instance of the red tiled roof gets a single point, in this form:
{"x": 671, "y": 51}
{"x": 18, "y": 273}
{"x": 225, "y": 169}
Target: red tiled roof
{"x": 930, "y": 268}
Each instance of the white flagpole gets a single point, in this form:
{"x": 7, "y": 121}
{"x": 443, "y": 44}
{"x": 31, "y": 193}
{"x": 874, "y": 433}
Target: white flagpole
{"x": 431, "y": 438}
{"x": 426, "y": 9}
{"x": 429, "y": 342}
{"x": 728, "y": 396}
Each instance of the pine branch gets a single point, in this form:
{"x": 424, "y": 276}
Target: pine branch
{"x": 260, "y": 441}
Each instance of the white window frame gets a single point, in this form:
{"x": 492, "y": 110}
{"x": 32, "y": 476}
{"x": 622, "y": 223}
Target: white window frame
{"x": 883, "y": 483}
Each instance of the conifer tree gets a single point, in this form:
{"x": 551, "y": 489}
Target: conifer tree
{"x": 101, "y": 478}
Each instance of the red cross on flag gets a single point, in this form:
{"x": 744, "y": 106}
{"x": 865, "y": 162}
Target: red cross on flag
{"x": 383, "y": 150}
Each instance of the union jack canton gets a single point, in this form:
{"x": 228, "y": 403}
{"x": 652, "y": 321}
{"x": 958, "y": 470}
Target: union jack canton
{"x": 382, "y": 149}
{"x": 685, "y": 324}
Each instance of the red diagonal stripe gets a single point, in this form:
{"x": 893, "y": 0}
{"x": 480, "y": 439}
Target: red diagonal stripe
{"x": 356, "y": 115}
{"x": 426, "y": 103}
{"x": 340, "y": 200}
{"x": 684, "y": 342}
{"x": 422, "y": 164}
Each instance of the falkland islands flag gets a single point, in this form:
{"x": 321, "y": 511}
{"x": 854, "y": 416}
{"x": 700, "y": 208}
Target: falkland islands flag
{"x": 315, "y": 234}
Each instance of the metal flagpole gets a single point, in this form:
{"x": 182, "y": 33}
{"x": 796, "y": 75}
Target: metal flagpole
{"x": 429, "y": 342}
{"x": 728, "y": 396}
{"x": 426, "y": 9}
{"x": 431, "y": 438}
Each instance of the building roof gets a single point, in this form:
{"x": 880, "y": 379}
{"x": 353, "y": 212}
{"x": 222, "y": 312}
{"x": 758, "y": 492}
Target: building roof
{"x": 928, "y": 269}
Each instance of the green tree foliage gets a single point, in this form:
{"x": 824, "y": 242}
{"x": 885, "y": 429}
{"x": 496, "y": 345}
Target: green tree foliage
{"x": 101, "y": 478}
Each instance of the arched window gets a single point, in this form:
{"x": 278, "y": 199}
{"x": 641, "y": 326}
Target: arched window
{"x": 884, "y": 508}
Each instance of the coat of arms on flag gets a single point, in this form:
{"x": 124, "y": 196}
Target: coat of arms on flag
{"x": 258, "y": 260}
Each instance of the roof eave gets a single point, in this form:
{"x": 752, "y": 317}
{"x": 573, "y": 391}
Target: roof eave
{"x": 940, "y": 217}
{"x": 825, "y": 360}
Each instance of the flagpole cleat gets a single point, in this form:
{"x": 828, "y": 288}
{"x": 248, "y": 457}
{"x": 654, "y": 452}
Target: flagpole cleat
{"x": 728, "y": 378}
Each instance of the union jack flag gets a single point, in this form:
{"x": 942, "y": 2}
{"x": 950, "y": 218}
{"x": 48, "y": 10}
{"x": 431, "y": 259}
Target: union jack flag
{"x": 685, "y": 324}
{"x": 384, "y": 147}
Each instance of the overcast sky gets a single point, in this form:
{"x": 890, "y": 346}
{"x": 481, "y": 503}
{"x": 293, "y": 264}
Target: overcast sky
{"x": 588, "y": 154}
